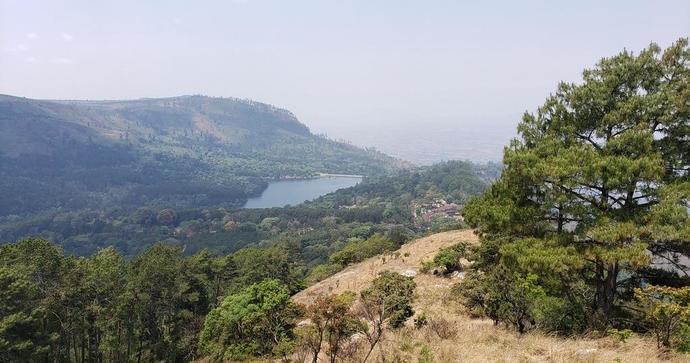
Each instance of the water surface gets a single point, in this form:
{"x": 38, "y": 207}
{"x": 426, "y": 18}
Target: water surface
{"x": 292, "y": 192}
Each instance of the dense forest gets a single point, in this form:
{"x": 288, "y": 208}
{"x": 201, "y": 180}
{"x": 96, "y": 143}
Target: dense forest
{"x": 162, "y": 306}
{"x": 319, "y": 227}
{"x": 152, "y": 303}
{"x": 181, "y": 152}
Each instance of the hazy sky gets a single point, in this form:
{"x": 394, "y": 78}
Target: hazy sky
{"x": 425, "y": 80}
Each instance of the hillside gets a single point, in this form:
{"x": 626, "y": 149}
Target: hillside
{"x": 468, "y": 339}
{"x": 319, "y": 227}
{"x": 171, "y": 152}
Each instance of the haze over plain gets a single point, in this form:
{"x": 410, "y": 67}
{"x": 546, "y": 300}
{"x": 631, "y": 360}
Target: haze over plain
{"x": 425, "y": 81}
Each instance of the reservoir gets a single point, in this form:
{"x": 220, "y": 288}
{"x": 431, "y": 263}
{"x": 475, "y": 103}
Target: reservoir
{"x": 292, "y": 192}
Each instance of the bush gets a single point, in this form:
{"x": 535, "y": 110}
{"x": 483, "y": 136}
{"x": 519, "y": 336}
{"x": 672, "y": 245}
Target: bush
{"x": 249, "y": 323}
{"x": 667, "y": 312}
{"x": 357, "y": 251}
{"x": 387, "y": 300}
{"x": 398, "y": 234}
{"x": 620, "y": 335}
{"x": 332, "y": 324}
{"x": 425, "y": 355}
{"x": 393, "y": 294}
{"x": 447, "y": 258}
{"x": 442, "y": 328}
{"x": 322, "y": 272}
{"x": 503, "y": 296}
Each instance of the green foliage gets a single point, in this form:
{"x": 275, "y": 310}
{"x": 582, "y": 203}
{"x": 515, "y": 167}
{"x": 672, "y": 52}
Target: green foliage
{"x": 178, "y": 152}
{"x": 390, "y": 296}
{"x": 597, "y": 179}
{"x": 103, "y": 308}
{"x": 31, "y": 272}
{"x": 257, "y": 264}
{"x": 506, "y": 297}
{"x": 454, "y": 181}
{"x": 322, "y": 272}
{"x": 359, "y": 250}
{"x": 21, "y": 338}
{"x": 448, "y": 258}
{"x": 249, "y": 323}
{"x": 167, "y": 298}
{"x": 621, "y": 335}
{"x": 320, "y": 227}
{"x": 444, "y": 224}
{"x": 667, "y": 312}
{"x": 398, "y": 235}
{"x": 217, "y": 274}
{"x": 426, "y": 355}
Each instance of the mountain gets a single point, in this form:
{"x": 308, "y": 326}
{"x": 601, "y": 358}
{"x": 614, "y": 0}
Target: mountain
{"x": 178, "y": 152}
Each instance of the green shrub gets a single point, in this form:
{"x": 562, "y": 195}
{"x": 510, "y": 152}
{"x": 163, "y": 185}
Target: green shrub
{"x": 425, "y": 355}
{"x": 667, "y": 313}
{"x": 249, "y": 323}
{"x": 620, "y": 335}
{"x": 322, "y": 272}
{"x": 357, "y": 251}
{"x": 447, "y": 258}
{"x": 390, "y": 296}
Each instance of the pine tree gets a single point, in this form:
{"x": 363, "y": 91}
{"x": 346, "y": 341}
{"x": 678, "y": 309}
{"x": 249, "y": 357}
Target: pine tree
{"x": 599, "y": 177}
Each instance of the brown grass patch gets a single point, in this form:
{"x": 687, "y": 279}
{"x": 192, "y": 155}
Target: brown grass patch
{"x": 458, "y": 338}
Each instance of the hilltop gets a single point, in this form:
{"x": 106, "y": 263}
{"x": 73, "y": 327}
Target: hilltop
{"x": 172, "y": 152}
{"x": 466, "y": 339}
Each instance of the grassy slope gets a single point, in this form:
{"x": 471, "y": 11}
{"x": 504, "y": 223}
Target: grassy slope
{"x": 475, "y": 340}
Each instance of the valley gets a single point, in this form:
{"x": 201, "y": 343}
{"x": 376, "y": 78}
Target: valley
{"x": 189, "y": 151}
{"x": 295, "y": 191}
{"x": 319, "y": 227}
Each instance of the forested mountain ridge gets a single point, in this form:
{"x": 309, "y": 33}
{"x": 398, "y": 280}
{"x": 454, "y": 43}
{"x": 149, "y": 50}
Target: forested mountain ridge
{"x": 319, "y": 227}
{"x": 179, "y": 151}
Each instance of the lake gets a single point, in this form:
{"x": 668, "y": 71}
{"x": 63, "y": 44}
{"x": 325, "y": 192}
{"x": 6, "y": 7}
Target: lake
{"x": 283, "y": 192}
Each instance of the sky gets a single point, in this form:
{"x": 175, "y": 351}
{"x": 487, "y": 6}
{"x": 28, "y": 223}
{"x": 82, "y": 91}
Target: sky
{"x": 422, "y": 80}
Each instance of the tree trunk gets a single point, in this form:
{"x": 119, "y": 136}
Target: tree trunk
{"x": 318, "y": 350}
{"x": 606, "y": 279}
{"x": 371, "y": 349}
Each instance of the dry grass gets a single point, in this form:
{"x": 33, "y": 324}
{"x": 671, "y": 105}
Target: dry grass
{"x": 471, "y": 340}
{"x": 408, "y": 258}
{"x": 478, "y": 340}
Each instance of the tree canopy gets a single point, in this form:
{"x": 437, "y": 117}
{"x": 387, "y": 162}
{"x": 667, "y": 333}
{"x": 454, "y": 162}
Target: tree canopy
{"x": 596, "y": 188}
{"x": 249, "y": 323}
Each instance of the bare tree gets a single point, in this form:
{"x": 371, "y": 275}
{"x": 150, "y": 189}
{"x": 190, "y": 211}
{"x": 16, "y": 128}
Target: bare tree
{"x": 332, "y": 321}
